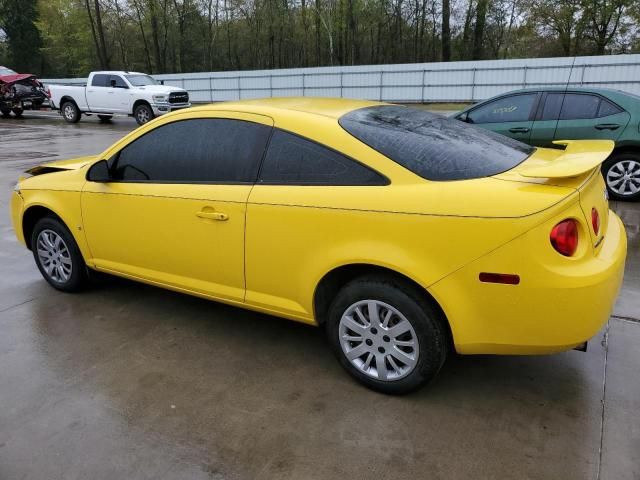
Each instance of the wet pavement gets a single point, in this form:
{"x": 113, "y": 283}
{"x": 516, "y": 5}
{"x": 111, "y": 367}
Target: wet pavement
{"x": 131, "y": 381}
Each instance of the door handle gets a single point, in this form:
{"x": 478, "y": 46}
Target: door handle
{"x": 212, "y": 215}
{"x": 519, "y": 130}
{"x": 607, "y": 126}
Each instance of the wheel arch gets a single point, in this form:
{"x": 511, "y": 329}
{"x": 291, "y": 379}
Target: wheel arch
{"x": 332, "y": 281}
{"x": 67, "y": 98}
{"x": 30, "y": 217}
{"x": 139, "y": 102}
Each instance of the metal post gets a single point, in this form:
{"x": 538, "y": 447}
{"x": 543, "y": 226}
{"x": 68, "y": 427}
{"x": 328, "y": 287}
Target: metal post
{"x": 473, "y": 85}
{"x": 304, "y": 87}
{"x": 271, "y": 85}
{"x": 211, "y": 89}
{"x": 239, "y": 89}
{"x": 381, "y": 80}
{"x": 341, "y": 82}
{"x": 584, "y": 67}
{"x": 524, "y": 79}
{"x": 424, "y": 84}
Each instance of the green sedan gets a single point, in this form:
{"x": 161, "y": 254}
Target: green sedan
{"x": 538, "y": 116}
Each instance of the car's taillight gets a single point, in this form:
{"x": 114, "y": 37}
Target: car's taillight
{"x": 595, "y": 220}
{"x": 564, "y": 237}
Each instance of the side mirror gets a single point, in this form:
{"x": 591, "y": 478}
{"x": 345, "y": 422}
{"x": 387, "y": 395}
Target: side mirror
{"x": 99, "y": 172}
{"x": 463, "y": 117}
{"x": 112, "y": 84}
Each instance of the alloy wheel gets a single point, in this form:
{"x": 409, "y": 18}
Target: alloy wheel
{"x": 54, "y": 256}
{"x": 69, "y": 112}
{"x": 623, "y": 177}
{"x": 378, "y": 340}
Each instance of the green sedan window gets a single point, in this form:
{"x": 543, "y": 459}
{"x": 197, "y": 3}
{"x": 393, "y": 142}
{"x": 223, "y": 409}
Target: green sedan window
{"x": 514, "y": 108}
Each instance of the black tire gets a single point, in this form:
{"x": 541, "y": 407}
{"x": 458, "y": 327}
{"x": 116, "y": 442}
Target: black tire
{"x": 426, "y": 320}
{"x": 77, "y": 276}
{"x": 143, "y": 114}
{"x": 70, "y": 112}
{"x": 6, "y": 112}
{"x": 18, "y": 112}
{"x": 614, "y": 168}
{"x": 105, "y": 118}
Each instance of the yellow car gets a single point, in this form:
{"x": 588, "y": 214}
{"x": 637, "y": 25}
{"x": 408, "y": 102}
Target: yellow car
{"x": 405, "y": 234}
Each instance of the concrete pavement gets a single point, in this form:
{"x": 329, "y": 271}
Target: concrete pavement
{"x": 131, "y": 381}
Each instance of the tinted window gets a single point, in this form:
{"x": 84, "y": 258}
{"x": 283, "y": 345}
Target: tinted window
{"x": 294, "y": 160}
{"x": 99, "y": 80}
{"x": 201, "y": 150}
{"x": 607, "y": 108}
{"x": 119, "y": 81}
{"x": 433, "y": 146}
{"x": 552, "y": 105}
{"x": 579, "y": 106}
{"x": 515, "y": 108}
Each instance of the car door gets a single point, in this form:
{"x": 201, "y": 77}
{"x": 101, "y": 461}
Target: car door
{"x": 118, "y": 95}
{"x": 511, "y": 115}
{"x": 546, "y": 120}
{"x": 297, "y": 177}
{"x": 97, "y": 92}
{"x": 590, "y": 116}
{"x": 173, "y": 212}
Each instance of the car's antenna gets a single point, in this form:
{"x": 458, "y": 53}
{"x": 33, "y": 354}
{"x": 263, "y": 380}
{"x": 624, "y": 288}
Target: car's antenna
{"x": 566, "y": 88}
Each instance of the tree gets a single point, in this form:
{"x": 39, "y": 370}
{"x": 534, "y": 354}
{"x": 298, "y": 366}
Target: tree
{"x": 18, "y": 20}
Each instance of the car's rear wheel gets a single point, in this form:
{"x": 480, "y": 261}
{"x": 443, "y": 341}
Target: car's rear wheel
{"x": 18, "y": 112}
{"x": 386, "y": 335}
{"x": 105, "y": 118}
{"x": 6, "y": 112}
{"x": 622, "y": 175}
{"x": 57, "y": 255}
{"x": 143, "y": 114}
{"x": 70, "y": 112}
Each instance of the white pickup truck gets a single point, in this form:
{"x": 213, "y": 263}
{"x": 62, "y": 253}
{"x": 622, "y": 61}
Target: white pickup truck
{"x": 117, "y": 93}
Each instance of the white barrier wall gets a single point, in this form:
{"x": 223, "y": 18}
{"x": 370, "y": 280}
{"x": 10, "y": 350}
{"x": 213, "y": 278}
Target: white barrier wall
{"x": 415, "y": 82}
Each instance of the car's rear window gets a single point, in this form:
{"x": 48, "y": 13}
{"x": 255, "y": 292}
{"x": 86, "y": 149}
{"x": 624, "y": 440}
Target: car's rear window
{"x": 433, "y": 146}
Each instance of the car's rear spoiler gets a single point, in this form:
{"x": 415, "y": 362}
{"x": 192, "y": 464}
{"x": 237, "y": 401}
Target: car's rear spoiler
{"x": 579, "y": 156}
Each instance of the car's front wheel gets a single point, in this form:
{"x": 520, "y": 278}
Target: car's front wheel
{"x": 143, "y": 114}
{"x": 386, "y": 335}
{"x": 622, "y": 175}
{"x": 57, "y": 255}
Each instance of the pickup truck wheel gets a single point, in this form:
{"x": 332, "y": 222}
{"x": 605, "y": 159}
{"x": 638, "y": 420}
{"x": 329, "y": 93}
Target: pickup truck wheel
{"x": 18, "y": 112}
{"x": 6, "y": 112}
{"x": 70, "y": 112}
{"x": 105, "y": 118}
{"x": 143, "y": 114}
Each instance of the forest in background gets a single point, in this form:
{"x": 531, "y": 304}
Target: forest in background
{"x": 64, "y": 38}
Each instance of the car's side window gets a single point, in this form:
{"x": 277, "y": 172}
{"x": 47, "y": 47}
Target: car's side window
{"x": 607, "y": 108}
{"x": 99, "y": 80}
{"x": 293, "y": 160}
{"x": 211, "y": 150}
{"x": 577, "y": 106}
{"x": 514, "y": 108}
{"x": 552, "y": 105}
{"x": 119, "y": 82}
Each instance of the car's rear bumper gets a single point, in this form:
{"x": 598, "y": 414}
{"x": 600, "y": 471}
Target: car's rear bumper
{"x": 557, "y": 305}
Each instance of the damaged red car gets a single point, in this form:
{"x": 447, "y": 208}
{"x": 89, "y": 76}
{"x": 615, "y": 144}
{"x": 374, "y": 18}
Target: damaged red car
{"x": 20, "y": 92}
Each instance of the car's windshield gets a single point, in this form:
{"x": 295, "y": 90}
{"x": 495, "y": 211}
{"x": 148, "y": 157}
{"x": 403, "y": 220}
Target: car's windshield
{"x": 7, "y": 71}
{"x": 140, "y": 80}
{"x": 433, "y": 146}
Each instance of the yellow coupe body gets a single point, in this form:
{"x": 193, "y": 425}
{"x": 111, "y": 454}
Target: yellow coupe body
{"x": 285, "y": 247}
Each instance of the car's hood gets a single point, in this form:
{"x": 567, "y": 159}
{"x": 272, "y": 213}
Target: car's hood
{"x": 61, "y": 165}
{"x": 158, "y": 89}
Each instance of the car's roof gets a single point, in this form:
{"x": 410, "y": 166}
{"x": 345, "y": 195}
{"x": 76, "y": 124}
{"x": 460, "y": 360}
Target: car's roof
{"x": 116, "y": 72}
{"x": 563, "y": 88}
{"x": 327, "y": 107}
